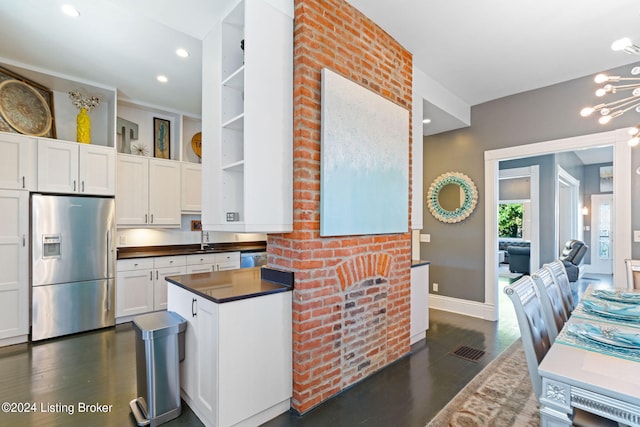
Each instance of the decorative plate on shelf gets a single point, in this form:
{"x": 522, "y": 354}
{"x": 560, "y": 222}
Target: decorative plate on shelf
{"x": 24, "y": 109}
{"x": 196, "y": 144}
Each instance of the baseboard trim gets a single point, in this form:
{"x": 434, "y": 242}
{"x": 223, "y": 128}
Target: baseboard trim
{"x": 14, "y": 340}
{"x": 461, "y": 306}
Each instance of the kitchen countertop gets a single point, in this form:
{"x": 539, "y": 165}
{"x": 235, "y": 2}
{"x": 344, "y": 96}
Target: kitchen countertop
{"x": 233, "y": 285}
{"x": 419, "y": 262}
{"x": 172, "y": 250}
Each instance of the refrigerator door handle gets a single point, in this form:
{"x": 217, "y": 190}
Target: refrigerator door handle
{"x": 108, "y": 296}
{"x": 108, "y": 253}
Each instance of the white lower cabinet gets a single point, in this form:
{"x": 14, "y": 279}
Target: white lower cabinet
{"x": 419, "y": 302}
{"x": 14, "y": 267}
{"x": 141, "y": 286}
{"x": 204, "y": 263}
{"x": 163, "y": 267}
{"x": 238, "y": 357}
{"x": 134, "y": 287}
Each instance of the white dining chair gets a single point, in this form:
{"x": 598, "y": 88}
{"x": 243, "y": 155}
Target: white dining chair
{"x": 562, "y": 279}
{"x": 633, "y": 273}
{"x": 536, "y": 343}
{"x": 551, "y": 302}
{"x": 533, "y": 330}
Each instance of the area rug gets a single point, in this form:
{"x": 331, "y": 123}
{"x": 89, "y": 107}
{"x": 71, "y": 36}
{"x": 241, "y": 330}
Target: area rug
{"x": 499, "y": 396}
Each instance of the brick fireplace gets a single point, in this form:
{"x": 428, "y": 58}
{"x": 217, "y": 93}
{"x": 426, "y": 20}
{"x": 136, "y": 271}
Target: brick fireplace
{"x": 351, "y": 299}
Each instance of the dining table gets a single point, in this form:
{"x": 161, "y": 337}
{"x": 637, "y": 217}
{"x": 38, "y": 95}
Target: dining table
{"x": 594, "y": 363}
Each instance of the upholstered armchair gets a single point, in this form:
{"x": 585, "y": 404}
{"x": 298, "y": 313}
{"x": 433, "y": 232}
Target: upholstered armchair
{"x": 572, "y": 255}
{"x": 519, "y": 259}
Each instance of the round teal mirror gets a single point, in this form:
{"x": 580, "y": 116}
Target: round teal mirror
{"x": 452, "y": 197}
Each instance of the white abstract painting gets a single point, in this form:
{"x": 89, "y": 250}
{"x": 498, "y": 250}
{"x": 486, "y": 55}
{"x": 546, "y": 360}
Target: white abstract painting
{"x": 364, "y": 161}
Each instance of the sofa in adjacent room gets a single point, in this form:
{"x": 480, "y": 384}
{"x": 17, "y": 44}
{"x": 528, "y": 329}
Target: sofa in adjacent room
{"x": 519, "y": 259}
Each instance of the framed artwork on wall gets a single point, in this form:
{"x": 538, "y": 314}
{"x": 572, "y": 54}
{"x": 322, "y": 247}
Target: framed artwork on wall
{"x": 161, "y": 138}
{"x": 26, "y": 107}
{"x": 364, "y": 161}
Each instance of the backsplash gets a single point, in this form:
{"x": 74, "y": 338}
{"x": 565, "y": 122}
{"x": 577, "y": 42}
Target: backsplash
{"x": 178, "y": 236}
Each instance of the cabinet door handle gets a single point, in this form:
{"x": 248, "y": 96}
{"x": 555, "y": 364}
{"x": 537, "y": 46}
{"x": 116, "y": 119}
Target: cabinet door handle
{"x": 151, "y": 275}
{"x": 23, "y": 182}
{"x": 151, "y": 218}
{"x": 156, "y": 274}
{"x": 194, "y": 307}
{"x": 145, "y": 218}
{"x": 24, "y": 240}
{"x": 74, "y": 185}
{"x": 83, "y": 186}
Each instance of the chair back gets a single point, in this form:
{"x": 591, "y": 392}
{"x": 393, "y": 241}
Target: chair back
{"x": 633, "y": 273}
{"x": 574, "y": 251}
{"x": 562, "y": 279}
{"x": 551, "y": 303}
{"x": 533, "y": 330}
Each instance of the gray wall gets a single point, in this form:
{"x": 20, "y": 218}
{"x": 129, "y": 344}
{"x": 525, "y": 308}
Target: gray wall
{"x": 514, "y": 189}
{"x": 547, "y": 196}
{"x": 456, "y": 251}
{"x": 591, "y": 186}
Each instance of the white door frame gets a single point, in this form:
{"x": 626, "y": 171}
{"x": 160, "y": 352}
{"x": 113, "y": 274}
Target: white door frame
{"x": 564, "y": 177}
{"x": 533, "y": 173}
{"x": 621, "y": 200}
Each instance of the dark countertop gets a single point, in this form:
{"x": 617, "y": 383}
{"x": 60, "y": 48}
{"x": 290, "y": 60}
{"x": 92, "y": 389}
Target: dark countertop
{"x": 172, "y": 250}
{"x": 233, "y": 285}
{"x": 419, "y": 262}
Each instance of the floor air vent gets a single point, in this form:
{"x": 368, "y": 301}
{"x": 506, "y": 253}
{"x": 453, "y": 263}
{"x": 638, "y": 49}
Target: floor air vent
{"x": 469, "y": 353}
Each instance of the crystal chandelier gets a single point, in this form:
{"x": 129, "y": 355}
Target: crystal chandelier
{"x": 611, "y": 110}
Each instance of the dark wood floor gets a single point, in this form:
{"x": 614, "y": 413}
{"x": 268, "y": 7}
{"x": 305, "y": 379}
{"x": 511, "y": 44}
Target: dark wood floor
{"x": 60, "y": 375}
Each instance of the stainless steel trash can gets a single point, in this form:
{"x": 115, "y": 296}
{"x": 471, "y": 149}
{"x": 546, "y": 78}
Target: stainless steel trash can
{"x": 159, "y": 350}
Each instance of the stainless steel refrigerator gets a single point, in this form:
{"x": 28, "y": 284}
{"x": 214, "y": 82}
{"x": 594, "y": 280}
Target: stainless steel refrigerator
{"x": 72, "y": 264}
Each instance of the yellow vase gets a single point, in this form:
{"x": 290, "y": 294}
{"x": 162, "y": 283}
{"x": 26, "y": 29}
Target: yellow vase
{"x": 83, "y": 130}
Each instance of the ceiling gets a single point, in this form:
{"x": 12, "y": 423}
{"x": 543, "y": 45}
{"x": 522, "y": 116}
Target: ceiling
{"x": 479, "y": 51}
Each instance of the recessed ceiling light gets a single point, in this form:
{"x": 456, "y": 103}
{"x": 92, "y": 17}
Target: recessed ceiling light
{"x": 182, "y": 53}
{"x": 162, "y": 79}
{"x": 426, "y": 121}
{"x": 69, "y": 10}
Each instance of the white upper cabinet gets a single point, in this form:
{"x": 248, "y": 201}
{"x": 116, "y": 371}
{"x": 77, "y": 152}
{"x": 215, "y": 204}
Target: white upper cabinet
{"x": 191, "y": 187}
{"x": 247, "y": 110}
{"x": 69, "y": 167}
{"x": 17, "y": 162}
{"x": 148, "y": 192}
{"x": 164, "y": 192}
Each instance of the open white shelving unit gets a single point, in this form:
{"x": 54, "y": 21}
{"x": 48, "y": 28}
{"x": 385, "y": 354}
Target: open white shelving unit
{"x": 248, "y": 119}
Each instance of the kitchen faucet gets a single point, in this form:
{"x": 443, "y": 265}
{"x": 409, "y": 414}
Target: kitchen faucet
{"x": 203, "y": 244}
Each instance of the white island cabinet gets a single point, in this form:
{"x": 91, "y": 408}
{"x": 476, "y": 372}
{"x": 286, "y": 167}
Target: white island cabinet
{"x": 237, "y": 369}
{"x": 419, "y": 300}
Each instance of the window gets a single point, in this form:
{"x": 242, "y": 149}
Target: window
{"x": 511, "y": 220}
